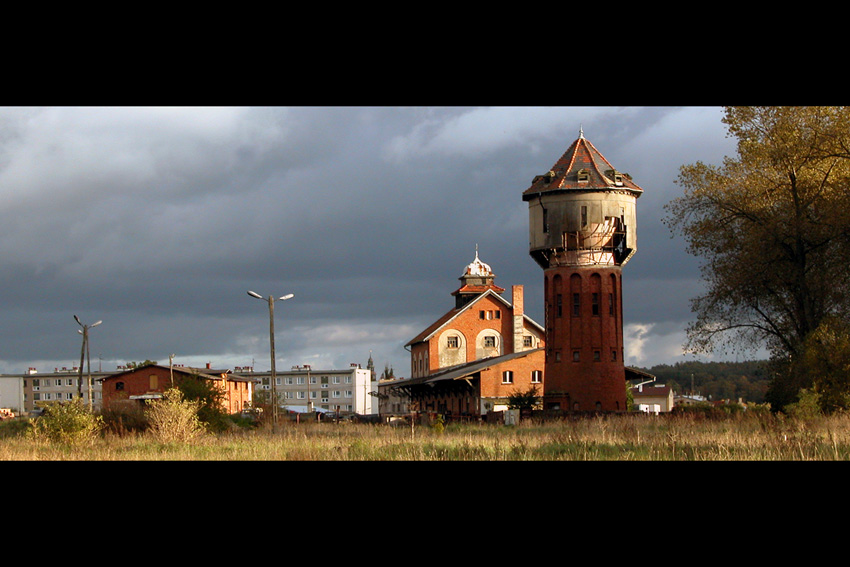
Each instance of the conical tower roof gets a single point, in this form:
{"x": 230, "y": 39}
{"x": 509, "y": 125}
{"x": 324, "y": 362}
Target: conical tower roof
{"x": 581, "y": 168}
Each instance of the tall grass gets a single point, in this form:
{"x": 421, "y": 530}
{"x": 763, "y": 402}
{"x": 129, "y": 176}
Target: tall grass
{"x": 739, "y": 437}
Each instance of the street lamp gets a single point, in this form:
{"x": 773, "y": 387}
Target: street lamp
{"x": 271, "y": 299}
{"x": 84, "y": 351}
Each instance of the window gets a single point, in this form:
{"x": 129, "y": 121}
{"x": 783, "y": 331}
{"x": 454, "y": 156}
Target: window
{"x": 453, "y": 342}
{"x": 583, "y": 216}
{"x": 498, "y": 314}
{"x": 301, "y": 395}
{"x": 558, "y": 308}
{"x": 613, "y": 355}
{"x": 312, "y": 379}
{"x": 536, "y": 376}
{"x": 594, "y": 303}
{"x": 610, "y": 304}
{"x": 481, "y": 314}
{"x": 526, "y": 340}
{"x": 289, "y": 380}
{"x": 576, "y": 356}
{"x": 152, "y": 381}
{"x": 597, "y": 356}
{"x": 576, "y": 305}
{"x": 336, "y": 379}
{"x": 299, "y": 380}
{"x": 490, "y": 341}
{"x": 119, "y": 386}
{"x": 507, "y": 377}
{"x": 583, "y": 175}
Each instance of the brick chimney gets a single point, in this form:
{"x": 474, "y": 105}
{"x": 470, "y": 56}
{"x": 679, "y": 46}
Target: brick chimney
{"x": 517, "y": 300}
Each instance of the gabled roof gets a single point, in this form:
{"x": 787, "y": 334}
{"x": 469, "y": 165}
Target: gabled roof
{"x": 205, "y": 373}
{"x": 462, "y": 371}
{"x": 454, "y": 313}
{"x": 582, "y": 157}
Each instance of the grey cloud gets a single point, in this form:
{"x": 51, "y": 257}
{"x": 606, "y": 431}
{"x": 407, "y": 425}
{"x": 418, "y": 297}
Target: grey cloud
{"x": 158, "y": 220}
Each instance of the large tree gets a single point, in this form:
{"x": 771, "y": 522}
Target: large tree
{"x": 772, "y": 227}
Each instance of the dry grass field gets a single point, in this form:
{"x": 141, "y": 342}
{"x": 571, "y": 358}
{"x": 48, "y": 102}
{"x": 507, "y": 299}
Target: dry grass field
{"x": 737, "y": 437}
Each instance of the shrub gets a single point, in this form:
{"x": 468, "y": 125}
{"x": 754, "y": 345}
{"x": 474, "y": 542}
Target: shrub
{"x": 124, "y": 416}
{"x": 807, "y": 405}
{"x": 174, "y": 419}
{"x": 210, "y": 400}
{"x": 69, "y": 422}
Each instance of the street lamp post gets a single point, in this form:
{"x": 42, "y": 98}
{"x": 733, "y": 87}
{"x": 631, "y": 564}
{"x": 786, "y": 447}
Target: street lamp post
{"x": 309, "y": 402}
{"x": 271, "y": 299}
{"x": 84, "y": 351}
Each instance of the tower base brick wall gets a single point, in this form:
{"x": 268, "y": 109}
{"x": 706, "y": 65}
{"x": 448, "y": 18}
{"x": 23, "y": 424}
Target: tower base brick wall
{"x": 584, "y": 337}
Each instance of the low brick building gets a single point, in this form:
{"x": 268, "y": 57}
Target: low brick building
{"x": 152, "y": 380}
{"x": 474, "y": 389}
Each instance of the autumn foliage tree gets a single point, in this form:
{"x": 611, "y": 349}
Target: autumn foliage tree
{"x": 772, "y": 227}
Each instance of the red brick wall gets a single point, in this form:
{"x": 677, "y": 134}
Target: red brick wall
{"x": 584, "y": 362}
{"x": 470, "y": 324}
{"x": 492, "y": 385}
{"x": 138, "y": 382}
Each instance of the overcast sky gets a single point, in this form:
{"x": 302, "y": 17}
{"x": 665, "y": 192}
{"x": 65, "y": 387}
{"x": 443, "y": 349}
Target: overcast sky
{"x": 157, "y": 221}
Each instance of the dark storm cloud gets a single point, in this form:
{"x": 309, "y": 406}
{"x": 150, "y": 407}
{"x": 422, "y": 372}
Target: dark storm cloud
{"x": 158, "y": 220}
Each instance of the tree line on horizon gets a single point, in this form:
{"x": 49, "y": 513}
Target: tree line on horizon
{"x": 747, "y": 381}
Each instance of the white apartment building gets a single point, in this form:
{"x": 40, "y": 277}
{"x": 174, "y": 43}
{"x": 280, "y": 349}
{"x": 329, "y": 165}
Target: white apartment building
{"x": 22, "y": 392}
{"x": 304, "y": 389}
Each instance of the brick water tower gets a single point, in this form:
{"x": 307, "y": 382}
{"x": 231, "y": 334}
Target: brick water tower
{"x": 582, "y": 228}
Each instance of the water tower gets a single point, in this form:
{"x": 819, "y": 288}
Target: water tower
{"x": 582, "y": 230}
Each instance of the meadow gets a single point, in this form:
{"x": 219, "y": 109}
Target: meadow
{"x": 634, "y": 437}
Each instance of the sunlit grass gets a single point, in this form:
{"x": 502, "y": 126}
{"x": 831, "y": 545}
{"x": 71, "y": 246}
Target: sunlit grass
{"x": 615, "y": 438}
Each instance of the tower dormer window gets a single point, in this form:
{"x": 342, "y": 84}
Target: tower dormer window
{"x": 583, "y": 175}
{"x": 615, "y": 175}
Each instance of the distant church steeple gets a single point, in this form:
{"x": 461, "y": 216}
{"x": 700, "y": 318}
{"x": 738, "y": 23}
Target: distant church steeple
{"x": 371, "y": 366}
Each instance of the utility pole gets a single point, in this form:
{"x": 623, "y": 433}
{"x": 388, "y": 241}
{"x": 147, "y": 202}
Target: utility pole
{"x": 309, "y": 403}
